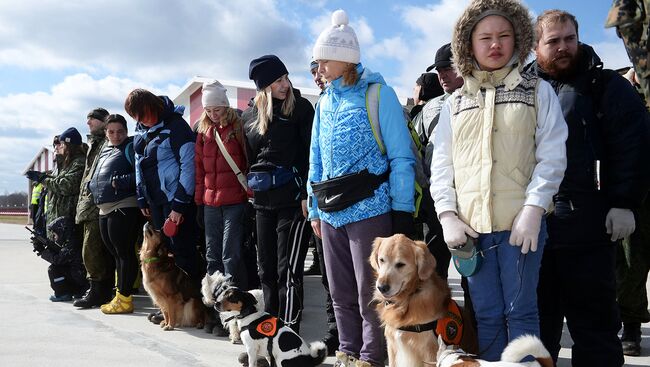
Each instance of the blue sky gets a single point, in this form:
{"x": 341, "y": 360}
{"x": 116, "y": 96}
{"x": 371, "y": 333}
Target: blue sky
{"x": 58, "y": 60}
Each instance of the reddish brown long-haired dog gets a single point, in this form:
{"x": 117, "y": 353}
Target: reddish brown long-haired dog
{"x": 413, "y": 303}
{"x": 170, "y": 287}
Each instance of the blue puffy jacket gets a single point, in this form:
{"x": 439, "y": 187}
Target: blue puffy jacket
{"x": 164, "y": 155}
{"x": 342, "y": 142}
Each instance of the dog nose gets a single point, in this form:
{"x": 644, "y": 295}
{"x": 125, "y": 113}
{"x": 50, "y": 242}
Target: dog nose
{"x": 383, "y": 288}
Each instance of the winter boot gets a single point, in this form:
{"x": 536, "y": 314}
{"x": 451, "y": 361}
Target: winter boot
{"x": 119, "y": 304}
{"x": 631, "y": 338}
{"x": 344, "y": 360}
{"x": 61, "y": 298}
{"x": 96, "y": 296}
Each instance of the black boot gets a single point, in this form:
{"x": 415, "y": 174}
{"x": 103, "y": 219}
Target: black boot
{"x": 631, "y": 338}
{"x": 97, "y": 295}
{"x": 314, "y": 268}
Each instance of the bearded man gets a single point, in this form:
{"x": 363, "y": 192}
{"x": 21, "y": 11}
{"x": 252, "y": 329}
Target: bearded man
{"x": 605, "y": 179}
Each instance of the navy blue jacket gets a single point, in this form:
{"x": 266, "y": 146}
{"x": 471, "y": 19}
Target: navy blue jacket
{"x": 164, "y": 155}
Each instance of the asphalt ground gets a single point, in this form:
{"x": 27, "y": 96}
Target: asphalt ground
{"x": 37, "y": 332}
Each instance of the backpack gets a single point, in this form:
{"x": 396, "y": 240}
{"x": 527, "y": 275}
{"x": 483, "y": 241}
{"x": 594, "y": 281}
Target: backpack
{"x": 372, "y": 107}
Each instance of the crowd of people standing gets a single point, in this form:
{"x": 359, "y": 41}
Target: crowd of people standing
{"x": 541, "y": 166}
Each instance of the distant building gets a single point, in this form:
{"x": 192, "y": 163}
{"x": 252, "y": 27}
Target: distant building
{"x": 239, "y": 94}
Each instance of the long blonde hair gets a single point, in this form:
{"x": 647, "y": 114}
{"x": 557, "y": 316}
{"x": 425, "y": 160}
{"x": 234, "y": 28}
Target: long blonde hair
{"x": 264, "y": 104}
{"x": 231, "y": 118}
{"x": 350, "y": 75}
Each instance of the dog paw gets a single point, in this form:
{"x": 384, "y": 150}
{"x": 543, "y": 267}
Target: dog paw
{"x": 168, "y": 327}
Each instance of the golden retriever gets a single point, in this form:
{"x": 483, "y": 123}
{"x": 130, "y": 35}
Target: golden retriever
{"x": 169, "y": 286}
{"x": 410, "y": 295}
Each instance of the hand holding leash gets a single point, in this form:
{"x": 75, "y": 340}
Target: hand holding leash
{"x": 525, "y": 228}
{"x": 619, "y": 223}
{"x": 454, "y": 230}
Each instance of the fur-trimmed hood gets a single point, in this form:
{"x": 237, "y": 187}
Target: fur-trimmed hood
{"x": 461, "y": 45}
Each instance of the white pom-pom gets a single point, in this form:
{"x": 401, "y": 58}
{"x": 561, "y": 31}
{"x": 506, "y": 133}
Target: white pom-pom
{"x": 339, "y": 17}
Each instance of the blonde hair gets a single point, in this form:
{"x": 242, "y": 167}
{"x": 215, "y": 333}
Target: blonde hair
{"x": 231, "y": 118}
{"x": 205, "y": 122}
{"x": 264, "y": 104}
{"x": 350, "y": 75}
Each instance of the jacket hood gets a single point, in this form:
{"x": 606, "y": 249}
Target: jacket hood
{"x": 366, "y": 77}
{"x": 461, "y": 45}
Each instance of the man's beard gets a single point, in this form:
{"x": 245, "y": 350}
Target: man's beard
{"x": 560, "y": 73}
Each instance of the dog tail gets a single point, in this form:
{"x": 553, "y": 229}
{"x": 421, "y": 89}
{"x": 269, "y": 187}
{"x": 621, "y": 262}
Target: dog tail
{"x": 318, "y": 352}
{"x": 526, "y": 345}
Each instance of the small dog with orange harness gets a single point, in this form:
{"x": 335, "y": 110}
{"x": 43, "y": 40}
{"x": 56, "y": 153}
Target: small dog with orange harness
{"x": 415, "y": 304}
{"x": 266, "y": 335}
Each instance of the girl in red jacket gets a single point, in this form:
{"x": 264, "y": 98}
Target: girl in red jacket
{"x": 220, "y": 183}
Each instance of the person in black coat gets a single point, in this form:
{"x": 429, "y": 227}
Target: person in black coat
{"x": 113, "y": 188}
{"x": 605, "y": 180}
{"x": 278, "y": 131}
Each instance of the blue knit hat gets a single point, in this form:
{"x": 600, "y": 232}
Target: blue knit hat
{"x": 70, "y": 136}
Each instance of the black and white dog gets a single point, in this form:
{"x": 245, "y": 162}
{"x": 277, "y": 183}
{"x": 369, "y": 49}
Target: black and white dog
{"x": 212, "y": 285}
{"x": 264, "y": 335}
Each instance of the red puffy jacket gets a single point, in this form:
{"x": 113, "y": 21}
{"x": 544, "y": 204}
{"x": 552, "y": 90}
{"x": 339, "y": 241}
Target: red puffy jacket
{"x": 216, "y": 183}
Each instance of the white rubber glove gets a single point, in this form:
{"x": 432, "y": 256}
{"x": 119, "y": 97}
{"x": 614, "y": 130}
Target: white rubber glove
{"x": 454, "y": 230}
{"x": 525, "y": 228}
{"x": 619, "y": 223}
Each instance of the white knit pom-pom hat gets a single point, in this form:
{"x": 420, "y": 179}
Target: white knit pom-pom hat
{"x": 338, "y": 42}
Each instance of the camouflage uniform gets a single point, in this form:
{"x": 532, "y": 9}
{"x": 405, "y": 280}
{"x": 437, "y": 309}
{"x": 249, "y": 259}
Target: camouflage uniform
{"x": 98, "y": 261}
{"x": 63, "y": 190}
{"x": 632, "y": 20}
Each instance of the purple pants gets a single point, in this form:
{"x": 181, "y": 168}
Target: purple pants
{"x": 352, "y": 284}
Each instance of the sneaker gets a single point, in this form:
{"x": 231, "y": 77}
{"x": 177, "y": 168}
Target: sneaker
{"x": 344, "y": 360}
{"x": 61, "y": 298}
{"x": 119, "y": 304}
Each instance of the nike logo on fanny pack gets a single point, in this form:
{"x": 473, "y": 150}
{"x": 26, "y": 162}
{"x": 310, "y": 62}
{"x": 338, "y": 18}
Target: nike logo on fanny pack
{"x": 332, "y": 198}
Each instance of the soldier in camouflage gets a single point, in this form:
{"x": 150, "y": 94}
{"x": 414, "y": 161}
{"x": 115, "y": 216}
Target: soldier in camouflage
{"x": 631, "y": 19}
{"x": 99, "y": 263}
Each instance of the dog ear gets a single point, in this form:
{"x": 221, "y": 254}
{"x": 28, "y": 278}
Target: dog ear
{"x": 375, "y": 252}
{"x": 425, "y": 261}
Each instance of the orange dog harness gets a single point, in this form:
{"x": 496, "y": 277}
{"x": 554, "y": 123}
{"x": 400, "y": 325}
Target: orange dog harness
{"x": 449, "y": 327}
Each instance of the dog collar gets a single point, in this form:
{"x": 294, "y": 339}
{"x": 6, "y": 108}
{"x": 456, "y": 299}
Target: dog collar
{"x": 420, "y": 327}
{"x": 150, "y": 260}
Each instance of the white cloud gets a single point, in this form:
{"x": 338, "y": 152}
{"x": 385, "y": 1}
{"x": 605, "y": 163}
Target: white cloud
{"x": 29, "y": 120}
{"x": 430, "y": 27}
{"x": 148, "y": 40}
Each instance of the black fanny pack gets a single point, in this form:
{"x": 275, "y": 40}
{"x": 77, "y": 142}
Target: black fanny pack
{"x": 342, "y": 192}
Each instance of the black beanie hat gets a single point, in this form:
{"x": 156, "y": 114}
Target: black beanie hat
{"x": 70, "y": 136}
{"x": 430, "y": 86}
{"x": 98, "y": 113}
{"x": 265, "y": 70}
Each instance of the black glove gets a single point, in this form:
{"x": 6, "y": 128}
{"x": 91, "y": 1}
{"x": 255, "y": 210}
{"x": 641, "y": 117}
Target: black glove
{"x": 199, "y": 216}
{"x": 38, "y": 246}
{"x": 35, "y": 176}
{"x": 403, "y": 223}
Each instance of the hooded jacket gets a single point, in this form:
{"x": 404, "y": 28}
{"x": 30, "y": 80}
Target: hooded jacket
{"x": 607, "y": 122}
{"x": 342, "y": 142}
{"x": 499, "y": 143}
{"x": 164, "y": 155}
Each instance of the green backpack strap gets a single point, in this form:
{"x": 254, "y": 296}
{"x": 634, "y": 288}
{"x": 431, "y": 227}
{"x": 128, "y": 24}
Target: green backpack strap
{"x": 372, "y": 107}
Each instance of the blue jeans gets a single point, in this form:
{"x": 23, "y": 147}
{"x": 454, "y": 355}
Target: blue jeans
{"x": 504, "y": 292}
{"x": 224, "y": 239}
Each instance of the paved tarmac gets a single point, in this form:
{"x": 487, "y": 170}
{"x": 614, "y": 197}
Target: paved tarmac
{"x": 37, "y": 332}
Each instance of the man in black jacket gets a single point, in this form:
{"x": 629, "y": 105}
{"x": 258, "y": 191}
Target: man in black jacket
{"x": 605, "y": 178}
